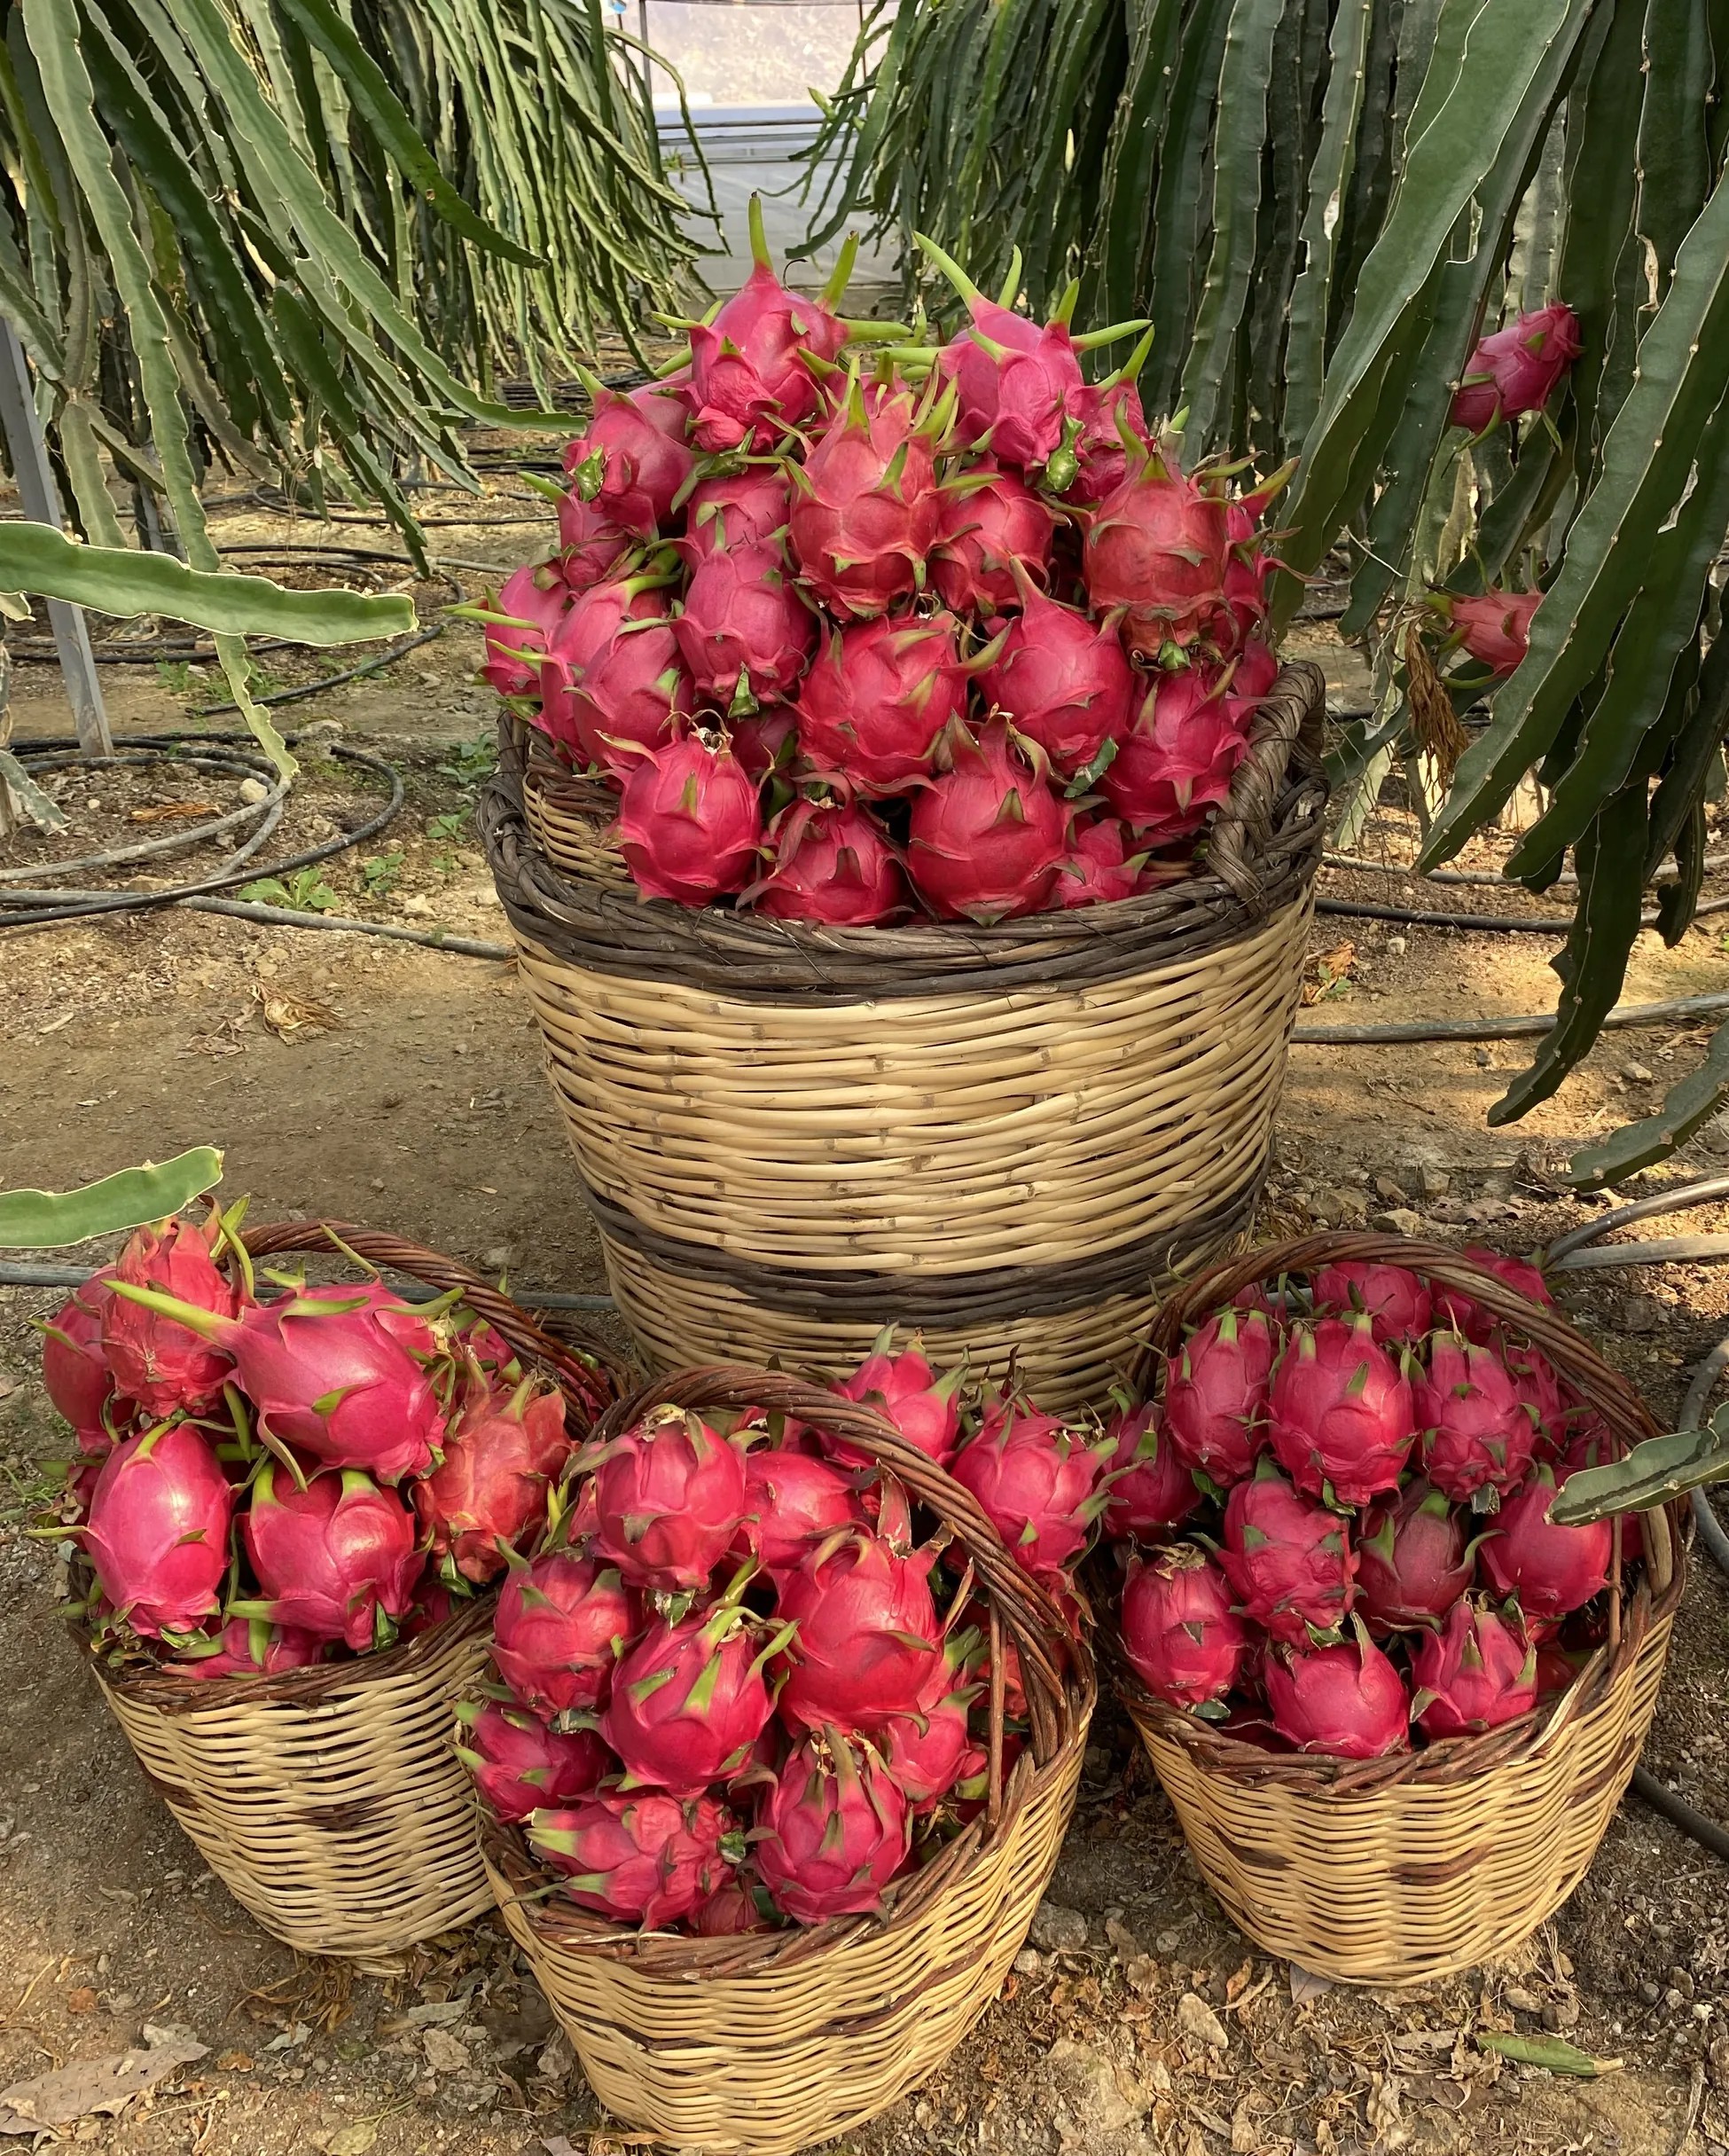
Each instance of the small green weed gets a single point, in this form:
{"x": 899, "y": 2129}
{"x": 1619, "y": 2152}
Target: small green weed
{"x": 470, "y": 763}
{"x": 454, "y": 823}
{"x": 306, "y": 892}
{"x": 380, "y": 875}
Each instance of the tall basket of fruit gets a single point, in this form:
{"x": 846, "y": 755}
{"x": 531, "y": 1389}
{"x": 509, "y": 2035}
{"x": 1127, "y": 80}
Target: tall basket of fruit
{"x": 786, "y": 1740}
{"x": 288, "y": 1509}
{"x": 908, "y": 838}
{"x": 1394, "y": 1703}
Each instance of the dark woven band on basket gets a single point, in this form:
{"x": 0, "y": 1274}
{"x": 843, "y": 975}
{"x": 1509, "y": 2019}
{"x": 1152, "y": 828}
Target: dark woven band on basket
{"x": 942, "y": 1300}
{"x": 1261, "y": 855}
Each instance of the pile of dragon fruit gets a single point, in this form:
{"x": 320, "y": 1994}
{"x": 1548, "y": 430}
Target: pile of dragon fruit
{"x": 261, "y": 1484}
{"x": 1334, "y": 1535}
{"x": 857, "y": 630}
{"x": 747, "y": 1682}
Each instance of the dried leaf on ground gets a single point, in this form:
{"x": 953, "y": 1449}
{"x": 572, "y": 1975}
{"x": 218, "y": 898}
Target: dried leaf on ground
{"x": 1327, "y": 973}
{"x": 89, "y": 2086}
{"x": 164, "y": 811}
{"x": 286, "y": 1016}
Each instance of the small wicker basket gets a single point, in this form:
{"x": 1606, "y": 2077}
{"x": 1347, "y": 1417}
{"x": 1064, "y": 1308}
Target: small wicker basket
{"x": 1397, "y": 1870}
{"x": 766, "y": 2043}
{"x": 328, "y": 1801}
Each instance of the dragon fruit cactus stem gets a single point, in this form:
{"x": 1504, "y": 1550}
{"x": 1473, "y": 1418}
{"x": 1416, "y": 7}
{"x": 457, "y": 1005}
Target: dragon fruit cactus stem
{"x": 1178, "y": 1630}
{"x": 1340, "y": 1421}
{"x": 668, "y": 1498}
{"x": 1290, "y": 1562}
{"x": 158, "y": 1532}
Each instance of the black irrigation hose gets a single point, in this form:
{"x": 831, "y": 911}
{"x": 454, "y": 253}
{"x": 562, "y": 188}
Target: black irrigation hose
{"x": 266, "y": 812}
{"x": 1497, "y": 924}
{"x": 1681, "y": 1009}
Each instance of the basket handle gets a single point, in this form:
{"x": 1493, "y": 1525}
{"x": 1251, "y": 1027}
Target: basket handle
{"x": 1287, "y": 733}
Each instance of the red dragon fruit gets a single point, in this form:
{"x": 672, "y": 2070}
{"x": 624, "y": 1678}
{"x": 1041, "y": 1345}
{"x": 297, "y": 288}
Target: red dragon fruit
{"x": 1552, "y": 1568}
{"x": 907, "y": 1392}
{"x": 1477, "y": 1431}
{"x": 490, "y": 1488}
{"x": 868, "y": 1637}
{"x": 642, "y": 1858}
{"x": 1178, "y": 758}
{"x": 1099, "y": 866}
{"x": 1494, "y": 627}
{"x": 746, "y": 634}
{"x": 931, "y": 1749}
{"x": 1347, "y": 1701}
{"x": 728, "y": 1912}
{"x": 876, "y": 699}
{"x": 689, "y": 1699}
{"x": 530, "y": 605}
{"x": 1216, "y": 1394}
{"x": 519, "y": 1766}
{"x": 1256, "y": 671}
{"x": 792, "y": 1502}
{"x": 1340, "y": 1415}
{"x": 832, "y": 862}
{"x": 669, "y": 1496}
{"x": 1394, "y": 1298}
{"x": 158, "y": 1533}
{"x": 748, "y": 507}
{"x": 865, "y": 508}
{"x": 1514, "y": 371}
{"x": 1037, "y": 1485}
{"x": 562, "y": 1623}
{"x": 153, "y": 1360}
{"x": 591, "y": 546}
{"x": 1290, "y": 1563}
{"x": 344, "y": 1373}
{"x": 1061, "y": 679}
{"x": 690, "y": 823}
{"x": 1152, "y": 1487}
{"x": 1413, "y": 1560}
{"x": 74, "y": 1372}
{"x": 765, "y": 741}
{"x": 633, "y": 460}
{"x": 247, "y": 1647}
{"x": 1155, "y": 551}
{"x": 1477, "y": 1672}
{"x": 989, "y": 835}
{"x": 1101, "y": 454}
{"x": 1178, "y": 1627}
{"x": 336, "y": 1559}
{"x": 833, "y": 1829}
{"x": 993, "y": 533}
{"x": 750, "y": 376}
{"x": 612, "y": 680}
{"x": 1017, "y": 382}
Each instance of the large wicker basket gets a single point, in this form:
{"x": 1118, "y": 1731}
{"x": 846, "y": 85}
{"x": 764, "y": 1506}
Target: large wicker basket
{"x": 1013, "y": 1138}
{"x": 1397, "y": 1870}
{"x": 328, "y": 1801}
{"x": 770, "y": 2042}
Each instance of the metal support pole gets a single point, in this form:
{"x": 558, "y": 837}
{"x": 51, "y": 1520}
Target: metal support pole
{"x": 22, "y": 425}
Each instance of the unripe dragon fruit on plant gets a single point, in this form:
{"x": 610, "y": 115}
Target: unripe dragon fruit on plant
{"x": 831, "y": 862}
{"x": 1476, "y": 1672}
{"x": 745, "y": 634}
{"x": 993, "y": 535}
{"x": 531, "y": 602}
{"x": 1340, "y": 1417}
{"x": 1553, "y": 1568}
{"x": 1216, "y": 1394}
{"x": 1413, "y": 1559}
{"x": 689, "y": 1700}
{"x": 1155, "y": 551}
{"x": 639, "y": 1858}
{"x": 157, "y": 1537}
{"x": 1178, "y": 758}
{"x": 833, "y": 1829}
{"x": 865, "y": 508}
{"x": 1099, "y": 866}
{"x": 1394, "y": 1299}
{"x": 1037, "y": 1483}
{"x": 988, "y": 837}
{"x": 669, "y": 1496}
{"x": 519, "y": 1766}
{"x": 500, "y": 1457}
{"x": 689, "y": 823}
{"x": 561, "y": 1626}
{"x": 1494, "y": 627}
{"x": 877, "y": 699}
{"x": 1061, "y": 679}
{"x": 748, "y": 507}
{"x": 1348, "y": 1701}
{"x": 1290, "y": 1562}
{"x": 337, "y": 1559}
{"x": 1476, "y": 1432}
{"x": 906, "y": 1393}
{"x": 633, "y": 460}
{"x": 1152, "y": 1487}
{"x": 612, "y": 681}
{"x": 1514, "y": 370}
{"x": 867, "y": 1637}
{"x": 154, "y": 1361}
{"x": 1186, "y": 1643}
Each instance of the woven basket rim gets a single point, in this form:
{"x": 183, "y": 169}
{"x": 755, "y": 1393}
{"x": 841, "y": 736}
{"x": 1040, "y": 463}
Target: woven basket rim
{"x": 1057, "y": 1673}
{"x": 1450, "y": 1761}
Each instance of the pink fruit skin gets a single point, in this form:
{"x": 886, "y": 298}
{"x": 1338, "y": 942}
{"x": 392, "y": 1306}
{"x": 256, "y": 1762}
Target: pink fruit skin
{"x": 1156, "y": 549}
{"x": 519, "y": 1766}
{"x": 612, "y": 679}
{"x": 832, "y": 864}
{"x": 591, "y": 546}
{"x": 905, "y": 1392}
{"x": 792, "y": 1502}
{"x": 333, "y": 1558}
{"x": 930, "y": 1751}
{"x": 74, "y": 1373}
{"x": 745, "y": 634}
{"x": 1178, "y": 758}
{"x": 158, "y": 1532}
{"x": 749, "y": 381}
{"x": 834, "y": 1828}
{"x": 1477, "y": 1672}
{"x": 1515, "y": 369}
{"x": 746, "y": 508}
{"x": 764, "y": 741}
{"x": 1035, "y": 1481}
{"x": 1179, "y": 1630}
{"x": 1494, "y": 627}
{"x": 1465, "y": 1315}
{"x": 1100, "y": 867}
{"x": 1061, "y": 679}
{"x": 1394, "y": 1298}
{"x": 989, "y": 835}
{"x": 561, "y": 1625}
{"x": 633, "y": 460}
{"x": 249, "y": 1647}
{"x": 1413, "y": 1559}
{"x": 689, "y": 823}
{"x": 1100, "y": 452}
{"x": 982, "y": 535}
{"x": 1215, "y": 1395}
{"x": 1348, "y": 1701}
{"x": 1151, "y": 1486}
{"x": 1554, "y": 1570}
{"x": 1340, "y": 1411}
{"x": 536, "y": 598}
{"x": 641, "y": 1859}
{"x": 876, "y": 699}
{"x": 153, "y": 1360}
{"x": 726, "y": 1913}
{"x": 688, "y": 1702}
{"x": 1013, "y": 403}
{"x": 868, "y": 1636}
{"x": 1475, "y": 1429}
{"x": 1290, "y": 1563}
{"x": 669, "y": 1496}
{"x": 865, "y": 514}
{"x": 491, "y": 1488}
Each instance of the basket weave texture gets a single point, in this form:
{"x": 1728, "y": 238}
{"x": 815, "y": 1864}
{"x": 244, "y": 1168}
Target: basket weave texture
{"x": 328, "y": 1799}
{"x": 1011, "y": 1138}
{"x": 1397, "y": 1870}
{"x": 772, "y": 2041}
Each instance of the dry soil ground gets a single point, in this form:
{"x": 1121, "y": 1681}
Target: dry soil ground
{"x": 402, "y": 1087}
